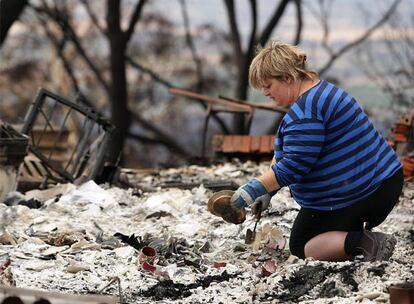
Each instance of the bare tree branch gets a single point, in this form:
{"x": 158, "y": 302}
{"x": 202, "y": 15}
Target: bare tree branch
{"x": 274, "y": 20}
{"x": 135, "y": 17}
{"x": 129, "y": 59}
{"x": 162, "y": 136}
{"x": 234, "y": 31}
{"x": 190, "y": 43}
{"x": 299, "y": 20}
{"x": 149, "y": 72}
{"x": 65, "y": 26}
{"x": 363, "y": 37}
{"x": 325, "y": 8}
{"x": 154, "y": 141}
{"x": 145, "y": 139}
{"x": 93, "y": 17}
{"x": 59, "y": 46}
{"x": 396, "y": 74}
{"x": 322, "y": 14}
{"x": 247, "y": 58}
{"x": 252, "y": 39}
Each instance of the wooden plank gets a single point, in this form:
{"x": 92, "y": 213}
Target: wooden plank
{"x": 211, "y": 100}
{"x": 259, "y": 105}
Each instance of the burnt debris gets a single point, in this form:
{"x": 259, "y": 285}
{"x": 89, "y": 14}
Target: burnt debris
{"x": 307, "y": 278}
{"x": 174, "y": 291}
{"x": 135, "y": 241}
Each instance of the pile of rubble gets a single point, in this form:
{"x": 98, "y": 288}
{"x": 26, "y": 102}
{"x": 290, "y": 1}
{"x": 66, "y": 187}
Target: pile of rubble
{"x": 402, "y": 140}
{"x": 90, "y": 239}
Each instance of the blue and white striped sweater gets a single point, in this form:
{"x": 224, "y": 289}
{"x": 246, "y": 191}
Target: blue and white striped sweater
{"x": 328, "y": 152}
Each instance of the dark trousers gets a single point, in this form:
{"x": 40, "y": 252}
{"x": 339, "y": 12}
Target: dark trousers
{"x": 371, "y": 210}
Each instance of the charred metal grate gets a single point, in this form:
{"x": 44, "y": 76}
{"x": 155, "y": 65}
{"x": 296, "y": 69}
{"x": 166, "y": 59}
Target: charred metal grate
{"x": 13, "y": 146}
{"x": 70, "y": 140}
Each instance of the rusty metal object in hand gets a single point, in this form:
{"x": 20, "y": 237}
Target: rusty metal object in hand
{"x": 251, "y": 234}
{"x": 219, "y": 205}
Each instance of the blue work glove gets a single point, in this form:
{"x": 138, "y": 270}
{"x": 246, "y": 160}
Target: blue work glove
{"x": 252, "y": 194}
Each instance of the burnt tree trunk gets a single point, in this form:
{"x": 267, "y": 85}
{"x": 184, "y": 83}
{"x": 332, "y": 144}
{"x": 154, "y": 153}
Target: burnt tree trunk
{"x": 244, "y": 64}
{"x": 118, "y": 84}
{"x": 10, "y": 11}
{"x": 244, "y": 58}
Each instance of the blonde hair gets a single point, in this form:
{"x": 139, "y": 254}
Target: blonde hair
{"x": 279, "y": 60}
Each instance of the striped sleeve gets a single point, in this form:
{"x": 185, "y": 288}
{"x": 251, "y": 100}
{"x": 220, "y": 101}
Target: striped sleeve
{"x": 303, "y": 140}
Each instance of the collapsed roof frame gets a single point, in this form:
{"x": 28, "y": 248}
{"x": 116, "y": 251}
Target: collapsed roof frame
{"x": 90, "y": 150}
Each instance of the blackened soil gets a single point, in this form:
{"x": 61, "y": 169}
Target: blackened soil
{"x": 411, "y": 231}
{"x": 347, "y": 276}
{"x": 302, "y": 281}
{"x": 329, "y": 290}
{"x": 308, "y": 277}
{"x": 377, "y": 270}
{"x": 169, "y": 289}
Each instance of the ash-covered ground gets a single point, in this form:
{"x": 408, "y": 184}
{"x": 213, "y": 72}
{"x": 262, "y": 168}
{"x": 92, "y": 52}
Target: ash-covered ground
{"x": 69, "y": 245}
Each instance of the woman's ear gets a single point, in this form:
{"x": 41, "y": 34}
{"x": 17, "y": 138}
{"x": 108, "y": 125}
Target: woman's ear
{"x": 287, "y": 79}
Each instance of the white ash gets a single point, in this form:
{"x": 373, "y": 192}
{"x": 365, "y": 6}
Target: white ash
{"x": 81, "y": 225}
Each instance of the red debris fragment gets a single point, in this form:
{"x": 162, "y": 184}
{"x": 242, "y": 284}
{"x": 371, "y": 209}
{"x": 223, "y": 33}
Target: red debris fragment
{"x": 4, "y": 266}
{"x": 148, "y": 255}
{"x": 219, "y": 264}
{"x": 149, "y": 267}
{"x": 408, "y": 167}
{"x": 281, "y": 244}
{"x": 278, "y": 244}
{"x": 268, "y": 268}
{"x": 402, "y": 140}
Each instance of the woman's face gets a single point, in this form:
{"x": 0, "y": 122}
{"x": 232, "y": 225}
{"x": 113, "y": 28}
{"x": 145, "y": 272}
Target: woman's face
{"x": 280, "y": 91}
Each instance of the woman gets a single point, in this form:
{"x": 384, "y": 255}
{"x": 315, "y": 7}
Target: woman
{"x": 339, "y": 169}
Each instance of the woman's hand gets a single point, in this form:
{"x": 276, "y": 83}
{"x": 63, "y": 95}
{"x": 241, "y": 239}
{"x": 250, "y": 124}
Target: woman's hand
{"x": 252, "y": 194}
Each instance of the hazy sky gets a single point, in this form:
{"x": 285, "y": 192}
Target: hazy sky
{"x": 348, "y": 17}
{"x": 348, "y": 20}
